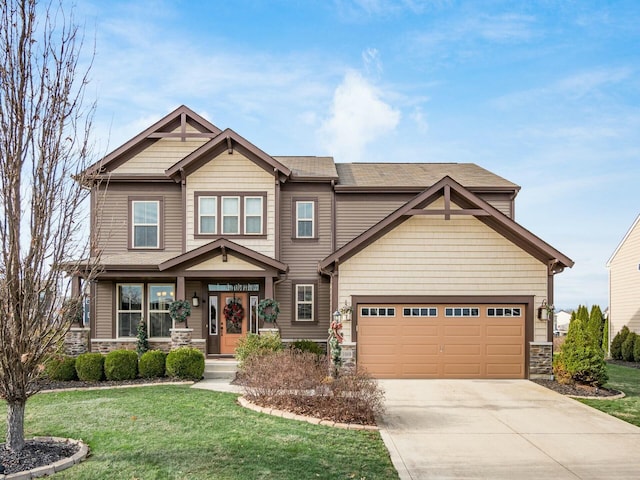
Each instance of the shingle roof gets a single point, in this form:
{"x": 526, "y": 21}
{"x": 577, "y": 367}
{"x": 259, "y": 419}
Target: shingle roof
{"x": 310, "y": 167}
{"x": 422, "y": 175}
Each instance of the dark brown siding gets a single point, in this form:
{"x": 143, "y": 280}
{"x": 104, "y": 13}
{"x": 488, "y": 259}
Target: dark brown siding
{"x": 501, "y": 201}
{"x": 357, "y": 212}
{"x": 104, "y": 310}
{"x": 112, "y": 215}
{"x": 302, "y": 256}
{"x": 195, "y": 319}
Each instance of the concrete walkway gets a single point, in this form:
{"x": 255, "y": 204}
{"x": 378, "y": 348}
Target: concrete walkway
{"x": 509, "y": 429}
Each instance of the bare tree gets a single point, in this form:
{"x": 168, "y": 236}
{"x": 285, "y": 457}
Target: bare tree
{"x": 44, "y": 132}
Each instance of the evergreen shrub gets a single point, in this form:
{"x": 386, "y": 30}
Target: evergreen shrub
{"x": 627, "y": 346}
{"x": 186, "y": 363}
{"x": 61, "y": 368}
{"x": 254, "y": 344}
{"x": 616, "y": 343}
{"x": 90, "y": 367}
{"x": 152, "y": 364}
{"x": 121, "y": 365}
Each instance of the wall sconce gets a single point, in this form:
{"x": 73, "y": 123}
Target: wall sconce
{"x": 195, "y": 301}
{"x": 543, "y": 311}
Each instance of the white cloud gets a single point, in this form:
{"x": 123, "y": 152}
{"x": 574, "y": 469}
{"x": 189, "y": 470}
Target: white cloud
{"x": 358, "y": 117}
{"x": 372, "y": 62}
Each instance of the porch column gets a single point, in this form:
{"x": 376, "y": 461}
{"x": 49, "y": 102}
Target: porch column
{"x": 180, "y": 288}
{"x": 75, "y": 285}
{"x": 268, "y": 287}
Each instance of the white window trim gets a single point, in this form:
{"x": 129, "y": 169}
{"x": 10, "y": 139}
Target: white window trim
{"x": 312, "y": 302}
{"x": 223, "y": 216}
{"x": 312, "y": 219}
{"x": 246, "y": 215}
{"x": 118, "y": 311}
{"x": 134, "y": 224}
{"x": 215, "y": 215}
{"x": 148, "y": 305}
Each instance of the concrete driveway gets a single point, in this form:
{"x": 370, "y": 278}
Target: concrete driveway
{"x": 502, "y": 429}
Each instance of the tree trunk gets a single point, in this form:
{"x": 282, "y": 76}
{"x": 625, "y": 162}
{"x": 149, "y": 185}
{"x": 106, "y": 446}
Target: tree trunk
{"x": 15, "y": 425}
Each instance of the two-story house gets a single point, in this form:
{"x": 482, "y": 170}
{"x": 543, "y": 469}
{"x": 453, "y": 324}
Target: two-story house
{"x": 441, "y": 280}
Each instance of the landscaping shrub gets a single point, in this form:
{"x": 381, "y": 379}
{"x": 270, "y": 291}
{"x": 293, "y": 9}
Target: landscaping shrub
{"x": 636, "y": 349}
{"x": 307, "y": 346}
{"x": 259, "y": 345}
{"x": 298, "y": 382}
{"x": 186, "y": 363}
{"x": 152, "y": 364}
{"x": 616, "y": 343}
{"x": 142, "y": 339}
{"x": 605, "y": 338}
{"x": 61, "y": 368}
{"x": 121, "y": 365}
{"x": 581, "y": 357}
{"x": 90, "y": 367}
{"x": 627, "y": 346}
{"x": 560, "y": 370}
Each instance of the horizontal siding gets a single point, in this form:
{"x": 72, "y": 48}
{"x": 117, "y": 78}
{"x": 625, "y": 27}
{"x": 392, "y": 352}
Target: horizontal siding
{"x": 624, "y": 274}
{"x": 499, "y": 201}
{"x": 104, "y": 309}
{"x": 233, "y": 173}
{"x": 161, "y": 155}
{"x": 356, "y": 213}
{"x": 294, "y": 331}
{"x": 433, "y": 256}
{"x": 112, "y": 215}
{"x": 197, "y": 313}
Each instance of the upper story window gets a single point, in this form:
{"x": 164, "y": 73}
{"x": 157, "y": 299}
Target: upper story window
{"x": 145, "y": 224}
{"x": 305, "y": 219}
{"x": 207, "y": 215}
{"x": 253, "y": 215}
{"x": 241, "y": 213}
{"x": 231, "y": 215}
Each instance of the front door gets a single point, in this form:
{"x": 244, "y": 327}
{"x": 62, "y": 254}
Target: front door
{"x": 233, "y": 326}
{"x": 213, "y": 342}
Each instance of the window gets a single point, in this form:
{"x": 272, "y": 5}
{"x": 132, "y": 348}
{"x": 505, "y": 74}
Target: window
{"x": 231, "y": 215}
{"x": 504, "y": 312}
{"x": 207, "y": 215}
{"x": 146, "y": 225}
{"x": 420, "y": 312}
{"x": 377, "y": 312}
{"x": 160, "y": 297}
{"x": 304, "y": 219}
{"x": 253, "y": 215}
{"x": 304, "y": 303}
{"x": 129, "y": 309}
{"x": 462, "y": 312}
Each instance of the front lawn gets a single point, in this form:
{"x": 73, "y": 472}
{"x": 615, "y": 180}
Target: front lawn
{"x": 628, "y": 380}
{"x": 167, "y": 432}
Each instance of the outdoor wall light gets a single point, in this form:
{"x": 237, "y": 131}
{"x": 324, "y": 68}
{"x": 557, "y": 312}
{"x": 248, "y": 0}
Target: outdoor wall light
{"x": 195, "y": 301}
{"x": 543, "y": 311}
{"x": 337, "y": 316}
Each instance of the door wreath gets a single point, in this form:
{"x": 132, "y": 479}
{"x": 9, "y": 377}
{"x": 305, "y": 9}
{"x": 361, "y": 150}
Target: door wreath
{"x": 233, "y": 314}
{"x": 268, "y": 310}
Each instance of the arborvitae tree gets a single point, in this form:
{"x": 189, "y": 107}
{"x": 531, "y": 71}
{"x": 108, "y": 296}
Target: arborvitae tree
{"x": 627, "y": 346}
{"x": 596, "y": 325}
{"x": 616, "y": 343}
{"x": 605, "y": 338}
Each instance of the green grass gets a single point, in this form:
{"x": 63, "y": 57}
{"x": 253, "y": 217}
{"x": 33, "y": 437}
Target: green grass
{"x": 171, "y": 432}
{"x": 627, "y": 408}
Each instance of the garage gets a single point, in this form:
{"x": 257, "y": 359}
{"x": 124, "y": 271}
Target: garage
{"x": 441, "y": 340}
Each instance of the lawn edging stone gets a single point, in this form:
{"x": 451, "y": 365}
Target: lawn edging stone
{"x": 242, "y": 401}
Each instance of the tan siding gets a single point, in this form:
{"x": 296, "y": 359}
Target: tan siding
{"x": 233, "y": 173}
{"x": 104, "y": 309}
{"x": 232, "y": 263}
{"x": 432, "y": 256}
{"x": 112, "y": 217}
{"x": 161, "y": 155}
{"x": 624, "y": 278}
{"x": 356, "y": 213}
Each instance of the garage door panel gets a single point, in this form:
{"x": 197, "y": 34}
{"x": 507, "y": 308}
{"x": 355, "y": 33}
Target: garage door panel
{"x": 436, "y": 346}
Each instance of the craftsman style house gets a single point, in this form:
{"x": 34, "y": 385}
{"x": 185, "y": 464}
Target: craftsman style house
{"x": 433, "y": 275}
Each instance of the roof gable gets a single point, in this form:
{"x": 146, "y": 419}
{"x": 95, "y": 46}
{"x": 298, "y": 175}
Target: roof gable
{"x": 228, "y": 140}
{"x": 470, "y": 204}
{"x": 220, "y": 247}
{"x": 180, "y": 118}
{"x": 624, "y": 240}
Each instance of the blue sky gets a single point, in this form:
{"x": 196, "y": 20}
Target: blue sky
{"x": 545, "y": 94}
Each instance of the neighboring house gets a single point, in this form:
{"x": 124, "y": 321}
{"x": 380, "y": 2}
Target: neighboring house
{"x": 624, "y": 283}
{"x": 562, "y": 320}
{"x": 442, "y": 281}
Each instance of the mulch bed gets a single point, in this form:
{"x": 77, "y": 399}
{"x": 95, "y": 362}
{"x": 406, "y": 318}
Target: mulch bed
{"x": 576, "y": 390}
{"x": 35, "y": 454}
{"x": 45, "y": 384}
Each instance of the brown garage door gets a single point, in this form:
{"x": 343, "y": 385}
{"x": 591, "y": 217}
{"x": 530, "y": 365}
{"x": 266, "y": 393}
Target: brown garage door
{"x": 441, "y": 341}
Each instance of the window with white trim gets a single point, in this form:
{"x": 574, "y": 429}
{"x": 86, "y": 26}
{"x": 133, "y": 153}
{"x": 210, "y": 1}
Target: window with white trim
{"x": 304, "y": 303}
{"x": 231, "y": 215}
{"x": 146, "y": 224}
{"x": 129, "y": 304}
{"x": 462, "y": 312}
{"x": 160, "y": 297}
{"x": 207, "y": 215}
{"x": 253, "y": 215}
{"x": 419, "y": 312}
{"x": 305, "y": 224}
{"x": 504, "y": 312}
{"x": 377, "y": 312}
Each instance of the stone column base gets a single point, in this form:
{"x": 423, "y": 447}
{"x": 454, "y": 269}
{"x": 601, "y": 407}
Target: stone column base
{"x": 541, "y": 360}
{"x": 181, "y": 337}
{"x": 76, "y": 342}
{"x": 348, "y": 355}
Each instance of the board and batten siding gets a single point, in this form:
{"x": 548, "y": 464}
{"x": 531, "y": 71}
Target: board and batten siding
{"x": 161, "y": 154}
{"x": 432, "y": 256}
{"x": 624, "y": 284}
{"x": 112, "y": 215}
{"x": 232, "y": 173}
